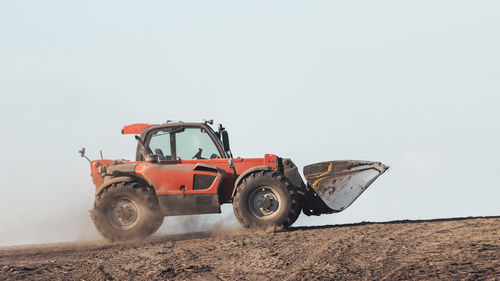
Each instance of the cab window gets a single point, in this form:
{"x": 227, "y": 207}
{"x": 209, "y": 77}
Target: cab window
{"x": 160, "y": 145}
{"x": 185, "y": 143}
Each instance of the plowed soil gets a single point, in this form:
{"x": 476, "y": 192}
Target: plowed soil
{"x": 448, "y": 249}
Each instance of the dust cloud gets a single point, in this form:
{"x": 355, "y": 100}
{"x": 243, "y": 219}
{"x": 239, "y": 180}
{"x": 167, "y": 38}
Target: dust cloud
{"x": 66, "y": 218}
{"x": 34, "y": 222}
{"x": 216, "y": 224}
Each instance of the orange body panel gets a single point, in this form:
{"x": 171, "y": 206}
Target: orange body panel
{"x": 97, "y": 180}
{"x": 95, "y": 172}
{"x": 176, "y": 176}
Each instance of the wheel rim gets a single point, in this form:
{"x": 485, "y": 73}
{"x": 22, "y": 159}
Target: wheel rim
{"x": 123, "y": 213}
{"x": 264, "y": 203}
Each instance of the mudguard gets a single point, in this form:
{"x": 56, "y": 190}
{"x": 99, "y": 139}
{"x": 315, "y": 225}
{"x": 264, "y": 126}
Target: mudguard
{"x": 247, "y": 172}
{"x": 111, "y": 181}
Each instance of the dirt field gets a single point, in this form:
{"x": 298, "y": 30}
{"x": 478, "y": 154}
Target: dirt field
{"x": 449, "y": 249}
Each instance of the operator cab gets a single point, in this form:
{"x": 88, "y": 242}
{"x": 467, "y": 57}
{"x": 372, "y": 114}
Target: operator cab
{"x": 184, "y": 141}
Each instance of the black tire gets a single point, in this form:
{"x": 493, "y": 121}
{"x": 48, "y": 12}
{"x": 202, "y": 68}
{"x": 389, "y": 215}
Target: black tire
{"x": 126, "y": 211}
{"x": 253, "y": 211}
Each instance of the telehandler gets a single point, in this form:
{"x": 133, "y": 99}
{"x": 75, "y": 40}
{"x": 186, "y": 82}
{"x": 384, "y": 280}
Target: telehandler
{"x": 188, "y": 168}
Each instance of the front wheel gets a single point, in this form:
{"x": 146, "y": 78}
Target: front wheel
{"x": 266, "y": 200}
{"x": 126, "y": 211}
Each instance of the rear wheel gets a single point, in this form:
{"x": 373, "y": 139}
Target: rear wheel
{"x": 125, "y": 211}
{"x": 266, "y": 200}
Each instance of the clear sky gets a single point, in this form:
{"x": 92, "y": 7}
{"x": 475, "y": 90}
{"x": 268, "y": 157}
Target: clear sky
{"x": 413, "y": 84}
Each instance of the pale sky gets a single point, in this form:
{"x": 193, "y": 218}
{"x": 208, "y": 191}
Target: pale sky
{"x": 413, "y": 84}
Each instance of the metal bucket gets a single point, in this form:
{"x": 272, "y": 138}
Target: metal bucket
{"x": 339, "y": 183}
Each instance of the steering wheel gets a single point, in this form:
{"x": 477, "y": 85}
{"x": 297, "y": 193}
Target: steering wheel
{"x": 198, "y": 154}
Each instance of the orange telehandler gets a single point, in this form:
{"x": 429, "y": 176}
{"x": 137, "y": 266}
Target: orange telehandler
{"x": 188, "y": 168}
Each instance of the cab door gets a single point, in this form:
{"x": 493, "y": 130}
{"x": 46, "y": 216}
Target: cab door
{"x": 183, "y": 183}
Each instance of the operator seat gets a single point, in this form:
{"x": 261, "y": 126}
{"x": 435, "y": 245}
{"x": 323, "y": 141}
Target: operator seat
{"x": 160, "y": 154}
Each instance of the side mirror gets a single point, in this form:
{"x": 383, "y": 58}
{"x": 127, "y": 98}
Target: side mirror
{"x": 225, "y": 141}
{"x": 82, "y": 152}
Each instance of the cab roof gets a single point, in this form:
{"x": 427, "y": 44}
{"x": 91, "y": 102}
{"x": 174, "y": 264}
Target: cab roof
{"x": 135, "y": 129}
{"x": 139, "y": 128}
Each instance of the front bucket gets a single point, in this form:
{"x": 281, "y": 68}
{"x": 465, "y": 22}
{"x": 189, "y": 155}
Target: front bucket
{"x": 339, "y": 183}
